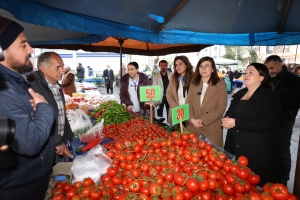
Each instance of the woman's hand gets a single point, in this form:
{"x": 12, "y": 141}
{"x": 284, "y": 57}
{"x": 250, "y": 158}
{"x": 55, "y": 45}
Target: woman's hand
{"x": 129, "y": 108}
{"x": 197, "y": 123}
{"x": 228, "y": 122}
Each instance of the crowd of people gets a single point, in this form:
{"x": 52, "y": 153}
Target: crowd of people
{"x": 260, "y": 117}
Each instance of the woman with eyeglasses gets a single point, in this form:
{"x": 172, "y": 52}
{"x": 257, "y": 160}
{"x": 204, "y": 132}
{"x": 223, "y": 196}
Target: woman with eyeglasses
{"x": 207, "y": 101}
{"x": 179, "y": 84}
{"x": 130, "y": 89}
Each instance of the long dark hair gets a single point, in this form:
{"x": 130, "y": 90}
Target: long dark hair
{"x": 188, "y": 71}
{"x": 264, "y": 72}
{"x": 214, "y": 78}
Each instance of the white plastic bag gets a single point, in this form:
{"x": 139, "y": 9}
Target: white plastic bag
{"x": 94, "y": 164}
{"x": 95, "y": 133}
{"x": 79, "y": 121}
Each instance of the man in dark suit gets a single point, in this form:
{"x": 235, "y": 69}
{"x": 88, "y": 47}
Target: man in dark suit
{"x": 287, "y": 87}
{"x": 109, "y": 77}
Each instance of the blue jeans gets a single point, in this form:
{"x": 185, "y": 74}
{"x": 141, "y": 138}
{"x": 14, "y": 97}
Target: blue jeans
{"x": 285, "y": 143}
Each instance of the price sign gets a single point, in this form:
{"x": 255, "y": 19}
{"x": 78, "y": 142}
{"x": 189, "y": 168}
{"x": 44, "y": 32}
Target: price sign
{"x": 180, "y": 112}
{"x": 147, "y": 92}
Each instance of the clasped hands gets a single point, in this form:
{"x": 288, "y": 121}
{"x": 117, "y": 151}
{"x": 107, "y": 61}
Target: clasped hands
{"x": 197, "y": 123}
{"x": 228, "y": 123}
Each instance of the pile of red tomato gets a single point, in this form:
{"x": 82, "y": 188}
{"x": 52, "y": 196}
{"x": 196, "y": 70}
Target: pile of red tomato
{"x": 136, "y": 128}
{"x": 175, "y": 167}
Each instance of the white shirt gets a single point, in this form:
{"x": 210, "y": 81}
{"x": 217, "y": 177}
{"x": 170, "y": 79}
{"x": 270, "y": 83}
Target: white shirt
{"x": 133, "y": 86}
{"x": 204, "y": 88}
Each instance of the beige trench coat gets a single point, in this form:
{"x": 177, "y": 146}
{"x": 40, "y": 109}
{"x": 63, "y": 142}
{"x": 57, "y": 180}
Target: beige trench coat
{"x": 210, "y": 112}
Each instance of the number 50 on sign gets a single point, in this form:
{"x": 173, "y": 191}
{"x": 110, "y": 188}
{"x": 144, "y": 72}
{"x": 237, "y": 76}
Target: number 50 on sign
{"x": 147, "y": 92}
{"x": 180, "y": 112}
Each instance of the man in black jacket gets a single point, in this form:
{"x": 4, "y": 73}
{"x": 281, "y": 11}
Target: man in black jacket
{"x": 80, "y": 73}
{"x": 287, "y": 86}
{"x": 109, "y": 77}
{"x": 45, "y": 82}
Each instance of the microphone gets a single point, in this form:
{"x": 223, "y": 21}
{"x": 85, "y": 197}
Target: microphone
{"x": 199, "y": 93}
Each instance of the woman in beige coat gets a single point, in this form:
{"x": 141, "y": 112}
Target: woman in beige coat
{"x": 207, "y": 101}
{"x": 179, "y": 83}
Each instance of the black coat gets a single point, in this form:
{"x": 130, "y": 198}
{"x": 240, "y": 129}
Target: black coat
{"x": 80, "y": 71}
{"x": 287, "y": 87}
{"x": 40, "y": 86}
{"x": 110, "y": 77}
{"x": 256, "y": 133}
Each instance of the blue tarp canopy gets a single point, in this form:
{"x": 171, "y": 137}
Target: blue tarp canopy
{"x": 234, "y": 22}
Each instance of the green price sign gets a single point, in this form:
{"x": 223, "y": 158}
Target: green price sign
{"x": 147, "y": 92}
{"x": 180, "y": 112}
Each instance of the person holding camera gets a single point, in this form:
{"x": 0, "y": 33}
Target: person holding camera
{"x": 26, "y": 165}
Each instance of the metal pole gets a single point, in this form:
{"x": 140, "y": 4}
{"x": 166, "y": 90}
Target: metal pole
{"x": 120, "y": 41}
{"x": 297, "y": 175}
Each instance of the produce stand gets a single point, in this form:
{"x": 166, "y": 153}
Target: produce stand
{"x": 150, "y": 161}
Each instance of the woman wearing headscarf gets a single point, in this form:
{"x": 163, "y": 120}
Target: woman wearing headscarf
{"x": 179, "y": 84}
{"x": 207, "y": 101}
{"x": 252, "y": 123}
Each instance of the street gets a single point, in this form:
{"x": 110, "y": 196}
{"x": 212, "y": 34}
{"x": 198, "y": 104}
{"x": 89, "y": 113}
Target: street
{"x": 294, "y": 140}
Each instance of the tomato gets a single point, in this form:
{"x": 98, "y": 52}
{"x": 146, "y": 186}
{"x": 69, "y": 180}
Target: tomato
{"x": 243, "y": 173}
{"x": 58, "y": 184}
{"x": 203, "y": 185}
{"x": 219, "y": 163}
{"x": 220, "y": 196}
{"x": 292, "y": 197}
{"x": 230, "y": 178}
{"x": 58, "y": 196}
{"x": 192, "y": 185}
{"x": 254, "y": 196}
{"x": 178, "y": 196}
{"x": 266, "y": 196}
{"x": 105, "y": 178}
{"x": 77, "y": 184}
{"x": 136, "y": 173}
{"x": 57, "y": 190}
{"x": 253, "y": 179}
{"x": 112, "y": 171}
{"x": 145, "y": 191}
{"x": 86, "y": 192}
{"x": 154, "y": 188}
{"x": 66, "y": 186}
{"x": 178, "y": 179}
{"x": 95, "y": 193}
{"x": 87, "y": 182}
{"x": 187, "y": 195}
{"x": 116, "y": 180}
{"x": 242, "y": 161}
{"x": 233, "y": 168}
{"x": 238, "y": 187}
{"x": 228, "y": 189}
{"x": 169, "y": 176}
{"x": 212, "y": 184}
{"x": 75, "y": 197}
{"x": 267, "y": 187}
{"x": 143, "y": 197}
{"x": 279, "y": 191}
{"x": 144, "y": 167}
{"x": 206, "y": 195}
{"x": 70, "y": 193}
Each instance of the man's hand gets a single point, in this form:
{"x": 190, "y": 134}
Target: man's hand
{"x": 63, "y": 150}
{"x": 3, "y": 148}
{"x": 36, "y": 98}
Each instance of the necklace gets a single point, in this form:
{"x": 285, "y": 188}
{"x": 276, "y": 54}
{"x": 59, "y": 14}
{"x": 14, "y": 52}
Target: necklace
{"x": 135, "y": 82}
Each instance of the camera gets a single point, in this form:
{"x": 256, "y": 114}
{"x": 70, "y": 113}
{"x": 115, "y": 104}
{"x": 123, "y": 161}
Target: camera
{"x": 7, "y": 125}
{"x": 7, "y": 131}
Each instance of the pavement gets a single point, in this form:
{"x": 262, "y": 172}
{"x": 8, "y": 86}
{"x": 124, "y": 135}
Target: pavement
{"x": 294, "y": 140}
